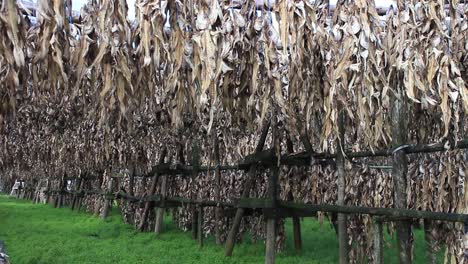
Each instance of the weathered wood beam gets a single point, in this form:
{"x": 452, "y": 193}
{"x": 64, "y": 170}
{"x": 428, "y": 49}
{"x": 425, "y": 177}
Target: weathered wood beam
{"x": 340, "y": 163}
{"x": 378, "y": 241}
{"x": 431, "y": 257}
{"x": 231, "y": 239}
{"x": 307, "y": 159}
{"x": 196, "y": 167}
{"x": 97, "y": 204}
{"x": 267, "y": 157}
{"x": 399, "y": 174}
{"x": 152, "y": 190}
{"x": 107, "y": 203}
{"x": 297, "y": 233}
{"x": 194, "y": 224}
{"x": 218, "y": 210}
{"x": 271, "y": 222}
{"x": 200, "y": 226}
{"x": 387, "y": 212}
{"x": 160, "y": 210}
{"x": 78, "y": 187}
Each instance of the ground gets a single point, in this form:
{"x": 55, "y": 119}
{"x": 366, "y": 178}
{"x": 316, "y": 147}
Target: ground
{"x": 42, "y": 234}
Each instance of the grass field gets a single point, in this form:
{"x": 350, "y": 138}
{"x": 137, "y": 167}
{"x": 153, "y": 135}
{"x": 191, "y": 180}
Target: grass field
{"x": 42, "y": 234}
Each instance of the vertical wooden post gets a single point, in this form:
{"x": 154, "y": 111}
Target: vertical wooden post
{"x": 196, "y": 166}
{"x": 200, "y": 226}
{"x": 35, "y": 198}
{"x": 20, "y": 187}
{"x": 295, "y": 219}
{"x": 81, "y": 194}
{"x": 431, "y": 257}
{"x": 63, "y": 188}
{"x": 297, "y": 233}
{"x": 340, "y": 163}
{"x": 231, "y": 239}
{"x": 107, "y": 200}
{"x": 75, "y": 195}
{"x": 131, "y": 182}
{"x": 217, "y": 191}
{"x": 399, "y": 171}
{"x": 58, "y": 196}
{"x": 160, "y": 210}
{"x": 378, "y": 241}
{"x": 194, "y": 223}
{"x": 97, "y": 204}
{"x": 152, "y": 190}
{"x": 271, "y": 227}
{"x": 47, "y": 192}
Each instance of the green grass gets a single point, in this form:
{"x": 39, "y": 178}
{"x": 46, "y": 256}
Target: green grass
{"x": 42, "y": 234}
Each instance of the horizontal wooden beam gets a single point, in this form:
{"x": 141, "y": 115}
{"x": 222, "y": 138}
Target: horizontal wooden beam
{"x": 268, "y": 157}
{"x": 286, "y": 208}
{"x": 157, "y": 199}
{"x": 386, "y": 212}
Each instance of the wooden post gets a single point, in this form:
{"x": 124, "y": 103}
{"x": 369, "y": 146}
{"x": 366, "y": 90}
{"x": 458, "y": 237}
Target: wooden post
{"x": 231, "y": 239}
{"x": 399, "y": 171}
{"x": 200, "y": 226}
{"x": 97, "y": 204}
{"x": 194, "y": 223}
{"x": 271, "y": 227}
{"x": 160, "y": 210}
{"x": 295, "y": 219}
{"x": 81, "y": 195}
{"x": 218, "y": 209}
{"x": 58, "y": 196}
{"x": 20, "y": 187}
{"x": 431, "y": 257}
{"x": 107, "y": 202}
{"x": 378, "y": 241}
{"x": 152, "y": 190}
{"x": 297, "y": 233}
{"x": 47, "y": 192}
{"x": 77, "y": 189}
{"x": 63, "y": 188}
{"x": 340, "y": 163}
{"x": 35, "y": 198}
{"x": 131, "y": 182}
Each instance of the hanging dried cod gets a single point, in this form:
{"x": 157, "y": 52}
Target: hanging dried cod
{"x": 12, "y": 58}
{"x": 113, "y": 61}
